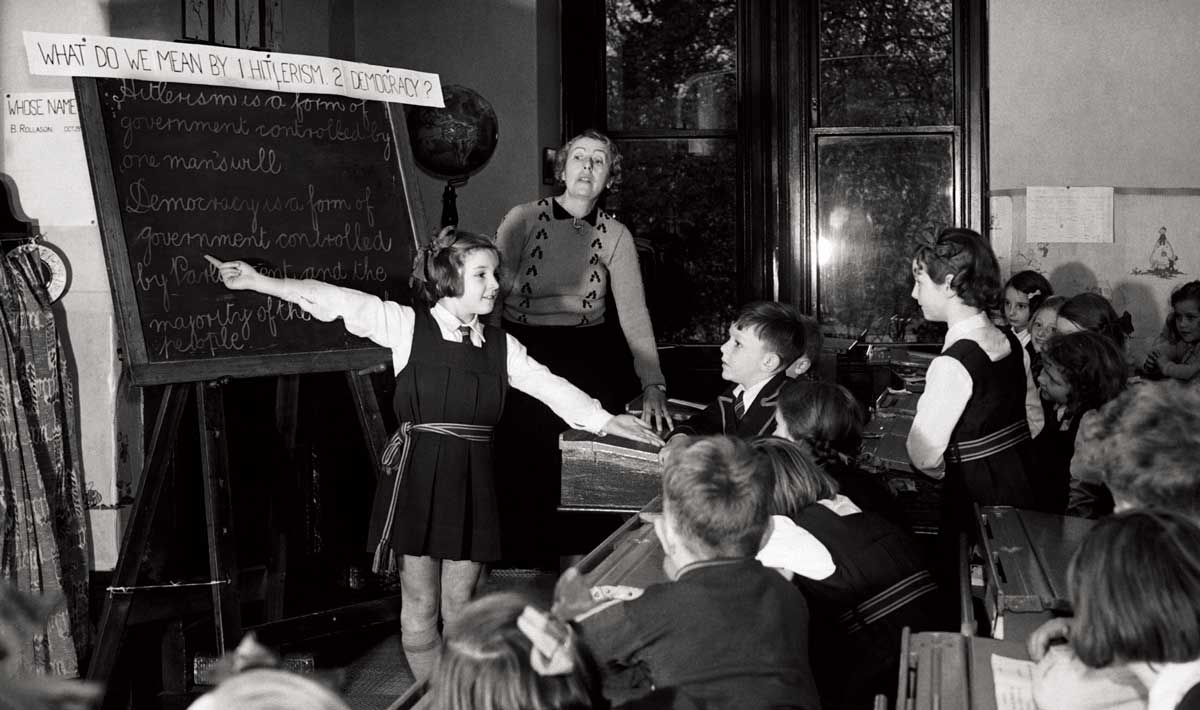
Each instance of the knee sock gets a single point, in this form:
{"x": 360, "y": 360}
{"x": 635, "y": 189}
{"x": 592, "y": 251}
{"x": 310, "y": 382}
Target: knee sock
{"x": 421, "y": 649}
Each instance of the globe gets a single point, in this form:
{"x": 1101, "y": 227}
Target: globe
{"x": 454, "y": 141}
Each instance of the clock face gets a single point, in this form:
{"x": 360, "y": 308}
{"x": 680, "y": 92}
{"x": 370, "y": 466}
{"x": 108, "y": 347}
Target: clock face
{"x": 54, "y": 269}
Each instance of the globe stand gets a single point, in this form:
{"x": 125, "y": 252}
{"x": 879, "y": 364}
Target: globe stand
{"x": 450, "y": 201}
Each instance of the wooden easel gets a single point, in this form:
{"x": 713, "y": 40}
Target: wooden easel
{"x": 125, "y": 602}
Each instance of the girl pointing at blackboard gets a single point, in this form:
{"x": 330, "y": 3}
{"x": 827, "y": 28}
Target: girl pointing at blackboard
{"x": 435, "y": 518}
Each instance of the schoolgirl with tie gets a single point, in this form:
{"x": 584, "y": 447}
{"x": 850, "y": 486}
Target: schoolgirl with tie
{"x": 435, "y": 518}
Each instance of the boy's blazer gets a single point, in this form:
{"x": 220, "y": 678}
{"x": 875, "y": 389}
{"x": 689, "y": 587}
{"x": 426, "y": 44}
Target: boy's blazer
{"x": 718, "y": 417}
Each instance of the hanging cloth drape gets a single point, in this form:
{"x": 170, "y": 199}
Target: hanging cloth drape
{"x": 43, "y": 539}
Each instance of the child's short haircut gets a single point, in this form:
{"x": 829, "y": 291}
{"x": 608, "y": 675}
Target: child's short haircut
{"x": 1134, "y": 582}
{"x": 781, "y": 327}
{"x": 1093, "y": 312}
{"x": 822, "y": 413}
{"x": 1145, "y": 445}
{"x": 269, "y": 689}
{"x": 718, "y": 491}
{"x": 799, "y": 482}
{"x": 1092, "y": 366}
{"x": 1190, "y": 291}
{"x": 614, "y": 156}
{"x": 485, "y": 665}
{"x": 1035, "y": 287}
{"x": 437, "y": 269}
{"x": 969, "y": 257}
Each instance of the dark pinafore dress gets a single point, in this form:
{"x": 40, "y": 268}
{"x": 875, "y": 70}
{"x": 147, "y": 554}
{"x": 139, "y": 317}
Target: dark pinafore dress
{"x": 857, "y": 615}
{"x": 442, "y": 501}
{"x": 989, "y": 459}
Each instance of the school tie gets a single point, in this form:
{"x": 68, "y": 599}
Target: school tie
{"x": 739, "y": 407}
{"x": 466, "y": 335}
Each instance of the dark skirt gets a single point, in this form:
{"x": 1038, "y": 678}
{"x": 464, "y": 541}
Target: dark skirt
{"x": 596, "y": 359}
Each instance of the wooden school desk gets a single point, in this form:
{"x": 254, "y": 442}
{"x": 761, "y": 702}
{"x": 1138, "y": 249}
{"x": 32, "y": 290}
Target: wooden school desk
{"x": 943, "y": 671}
{"x": 1026, "y": 554}
{"x": 884, "y": 439}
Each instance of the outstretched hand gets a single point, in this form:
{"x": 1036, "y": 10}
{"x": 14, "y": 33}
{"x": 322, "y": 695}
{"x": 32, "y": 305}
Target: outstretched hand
{"x": 631, "y": 427}
{"x": 236, "y": 275}
{"x": 1054, "y": 631}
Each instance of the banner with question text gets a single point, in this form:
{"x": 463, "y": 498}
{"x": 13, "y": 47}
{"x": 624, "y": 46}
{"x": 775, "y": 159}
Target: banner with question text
{"x": 50, "y": 54}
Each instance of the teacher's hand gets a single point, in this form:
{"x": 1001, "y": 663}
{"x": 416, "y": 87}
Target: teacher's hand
{"x": 654, "y": 409}
{"x": 630, "y": 427}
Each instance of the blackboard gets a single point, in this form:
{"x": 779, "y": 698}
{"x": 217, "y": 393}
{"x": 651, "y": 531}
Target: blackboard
{"x": 300, "y": 185}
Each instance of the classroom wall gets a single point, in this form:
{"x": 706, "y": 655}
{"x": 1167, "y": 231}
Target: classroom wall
{"x": 110, "y": 412}
{"x": 1101, "y": 93}
{"x": 505, "y": 50}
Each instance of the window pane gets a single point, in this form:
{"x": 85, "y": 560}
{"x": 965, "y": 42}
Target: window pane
{"x": 874, "y": 195}
{"x": 677, "y": 197}
{"x": 886, "y": 64}
{"x": 670, "y": 64}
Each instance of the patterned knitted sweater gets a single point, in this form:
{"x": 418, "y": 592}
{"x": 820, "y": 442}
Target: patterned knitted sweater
{"x": 559, "y": 270}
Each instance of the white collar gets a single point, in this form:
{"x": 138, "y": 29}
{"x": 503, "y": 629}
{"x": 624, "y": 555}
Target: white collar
{"x": 959, "y": 330}
{"x": 449, "y": 324}
{"x": 1173, "y": 682}
{"x": 841, "y": 505}
{"x": 749, "y": 394}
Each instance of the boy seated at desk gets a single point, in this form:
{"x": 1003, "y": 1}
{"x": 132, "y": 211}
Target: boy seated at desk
{"x": 727, "y": 632}
{"x": 1144, "y": 446}
{"x": 769, "y": 343}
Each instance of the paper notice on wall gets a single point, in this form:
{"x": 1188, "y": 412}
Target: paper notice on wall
{"x": 43, "y": 154}
{"x": 1014, "y": 683}
{"x": 1069, "y": 214}
{"x": 1000, "y": 230}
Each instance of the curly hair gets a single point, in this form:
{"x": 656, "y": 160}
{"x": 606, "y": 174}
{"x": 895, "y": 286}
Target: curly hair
{"x": 485, "y": 665}
{"x": 437, "y": 268}
{"x": 1189, "y": 291}
{"x": 614, "y": 156}
{"x": 1092, "y": 366}
{"x": 967, "y": 256}
{"x": 1145, "y": 445}
{"x": 1093, "y": 312}
{"x": 1133, "y": 583}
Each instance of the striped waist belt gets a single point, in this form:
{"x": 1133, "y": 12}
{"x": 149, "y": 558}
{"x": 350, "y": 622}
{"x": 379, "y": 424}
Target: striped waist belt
{"x": 993, "y": 443}
{"x": 395, "y": 454}
{"x": 906, "y": 590}
{"x": 395, "y": 459}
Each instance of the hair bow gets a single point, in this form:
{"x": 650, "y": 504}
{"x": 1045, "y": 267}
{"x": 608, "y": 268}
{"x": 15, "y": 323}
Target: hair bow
{"x": 943, "y": 249}
{"x": 1034, "y": 293}
{"x": 553, "y": 640}
{"x": 429, "y": 251}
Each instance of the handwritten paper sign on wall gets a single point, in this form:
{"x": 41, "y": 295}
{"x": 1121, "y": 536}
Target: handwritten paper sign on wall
{"x": 1069, "y": 214}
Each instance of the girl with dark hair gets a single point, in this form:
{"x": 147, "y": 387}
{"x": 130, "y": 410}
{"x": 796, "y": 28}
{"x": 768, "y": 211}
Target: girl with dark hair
{"x": 971, "y": 427}
{"x": 1091, "y": 311}
{"x": 827, "y": 420}
{"x": 1023, "y": 295}
{"x": 878, "y": 585}
{"x": 1133, "y": 583}
{"x": 435, "y": 518}
{"x": 1080, "y": 372}
{"x": 1176, "y": 352}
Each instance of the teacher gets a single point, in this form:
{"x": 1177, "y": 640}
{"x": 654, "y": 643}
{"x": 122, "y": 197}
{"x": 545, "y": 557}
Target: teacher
{"x": 571, "y": 276}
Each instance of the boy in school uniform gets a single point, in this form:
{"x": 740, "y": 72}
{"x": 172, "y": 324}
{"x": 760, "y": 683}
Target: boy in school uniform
{"x": 768, "y": 345}
{"x": 726, "y": 632}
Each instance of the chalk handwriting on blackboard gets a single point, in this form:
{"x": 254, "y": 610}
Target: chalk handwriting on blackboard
{"x": 307, "y": 186}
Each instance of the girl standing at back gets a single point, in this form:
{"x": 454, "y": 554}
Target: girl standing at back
{"x": 970, "y": 428}
{"x": 1176, "y": 352}
{"x": 435, "y": 518}
{"x": 1023, "y": 295}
